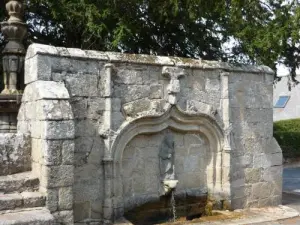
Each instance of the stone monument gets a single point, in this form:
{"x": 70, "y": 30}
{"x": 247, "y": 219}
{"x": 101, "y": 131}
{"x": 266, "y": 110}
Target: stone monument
{"x": 14, "y": 31}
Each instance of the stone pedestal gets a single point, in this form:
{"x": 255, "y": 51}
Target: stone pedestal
{"x": 9, "y": 106}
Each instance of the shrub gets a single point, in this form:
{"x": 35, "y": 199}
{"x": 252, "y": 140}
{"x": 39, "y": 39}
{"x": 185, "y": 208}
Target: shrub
{"x": 287, "y": 134}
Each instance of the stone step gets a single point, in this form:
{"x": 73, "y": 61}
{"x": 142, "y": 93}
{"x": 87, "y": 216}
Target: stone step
{"x": 30, "y": 216}
{"x": 21, "y": 200}
{"x": 19, "y": 182}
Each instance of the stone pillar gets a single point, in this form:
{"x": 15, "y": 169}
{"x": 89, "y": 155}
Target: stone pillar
{"x": 106, "y": 133}
{"x": 14, "y": 31}
{"x": 226, "y": 154}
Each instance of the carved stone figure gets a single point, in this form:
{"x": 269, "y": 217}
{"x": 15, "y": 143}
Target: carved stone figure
{"x": 166, "y": 157}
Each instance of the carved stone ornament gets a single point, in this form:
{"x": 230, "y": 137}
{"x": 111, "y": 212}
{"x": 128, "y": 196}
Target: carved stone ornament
{"x": 174, "y": 73}
{"x": 14, "y": 31}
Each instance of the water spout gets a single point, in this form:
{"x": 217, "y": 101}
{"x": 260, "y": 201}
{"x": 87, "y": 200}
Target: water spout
{"x": 169, "y": 186}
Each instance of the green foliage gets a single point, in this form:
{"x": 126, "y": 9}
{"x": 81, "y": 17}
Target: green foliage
{"x": 266, "y": 31}
{"x": 191, "y": 28}
{"x": 287, "y": 133}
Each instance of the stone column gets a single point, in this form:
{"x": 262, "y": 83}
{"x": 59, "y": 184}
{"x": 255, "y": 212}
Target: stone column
{"x": 106, "y": 133}
{"x": 226, "y": 153}
{"x": 14, "y": 31}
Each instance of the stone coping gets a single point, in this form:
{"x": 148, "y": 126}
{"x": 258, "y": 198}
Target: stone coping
{"x": 40, "y": 49}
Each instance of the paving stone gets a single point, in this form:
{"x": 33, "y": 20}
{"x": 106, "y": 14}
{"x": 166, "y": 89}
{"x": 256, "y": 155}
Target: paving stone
{"x": 39, "y": 216}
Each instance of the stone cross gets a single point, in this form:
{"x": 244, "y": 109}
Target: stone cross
{"x": 174, "y": 73}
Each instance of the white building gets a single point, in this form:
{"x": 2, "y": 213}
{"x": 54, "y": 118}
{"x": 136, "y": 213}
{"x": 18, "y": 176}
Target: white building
{"x": 286, "y": 102}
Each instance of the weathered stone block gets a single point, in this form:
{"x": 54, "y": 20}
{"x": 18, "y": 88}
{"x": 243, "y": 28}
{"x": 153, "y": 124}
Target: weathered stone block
{"x": 86, "y": 128}
{"x": 38, "y": 67}
{"x": 68, "y": 148}
{"x": 55, "y": 130}
{"x": 51, "y": 199}
{"x": 57, "y": 176}
{"x": 272, "y": 173}
{"x": 267, "y": 160}
{"x": 79, "y": 107}
{"x": 10, "y": 201}
{"x": 81, "y": 211}
{"x": 95, "y": 108}
{"x": 32, "y": 199}
{"x": 118, "y": 119}
{"x": 252, "y": 175}
{"x": 24, "y": 127}
{"x": 52, "y": 151}
{"x": 64, "y": 217}
{"x": 15, "y": 153}
{"x": 261, "y": 190}
{"x": 45, "y": 90}
{"x": 52, "y": 110}
{"x": 82, "y": 85}
{"x": 131, "y": 92}
{"x": 65, "y": 198}
{"x": 241, "y": 192}
{"x": 131, "y": 75}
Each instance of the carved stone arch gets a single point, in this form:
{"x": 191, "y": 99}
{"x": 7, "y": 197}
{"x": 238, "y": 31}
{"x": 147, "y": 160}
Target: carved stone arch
{"x": 174, "y": 119}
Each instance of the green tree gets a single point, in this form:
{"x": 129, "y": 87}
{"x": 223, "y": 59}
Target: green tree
{"x": 266, "y": 31}
{"x": 189, "y": 28}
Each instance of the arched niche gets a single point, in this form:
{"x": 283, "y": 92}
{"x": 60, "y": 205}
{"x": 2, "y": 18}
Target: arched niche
{"x": 177, "y": 121}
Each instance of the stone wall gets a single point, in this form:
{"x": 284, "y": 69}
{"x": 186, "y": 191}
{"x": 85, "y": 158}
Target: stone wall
{"x": 47, "y": 117}
{"x": 15, "y": 152}
{"x": 117, "y": 100}
{"x": 257, "y": 158}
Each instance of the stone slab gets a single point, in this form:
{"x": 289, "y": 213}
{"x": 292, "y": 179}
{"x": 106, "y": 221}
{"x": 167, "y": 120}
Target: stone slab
{"x": 46, "y": 50}
{"x": 21, "y": 200}
{"x": 39, "y": 216}
{"x": 19, "y": 182}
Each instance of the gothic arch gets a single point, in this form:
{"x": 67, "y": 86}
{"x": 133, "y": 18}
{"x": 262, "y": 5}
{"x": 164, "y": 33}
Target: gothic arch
{"x": 174, "y": 119}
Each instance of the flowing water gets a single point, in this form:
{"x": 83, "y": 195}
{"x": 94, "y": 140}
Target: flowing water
{"x": 173, "y": 204}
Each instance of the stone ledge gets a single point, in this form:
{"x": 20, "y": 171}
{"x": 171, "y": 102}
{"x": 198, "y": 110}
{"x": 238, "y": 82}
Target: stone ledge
{"x": 32, "y": 216}
{"x": 39, "y": 49}
{"x": 19, "y": 182}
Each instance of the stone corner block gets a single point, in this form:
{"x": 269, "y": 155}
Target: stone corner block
{"x": 57, "y": 176}
{"x": 53, "y": 130}
{"x": 37, "y": 68}
{"x": 45, "y": 90}
{"x": 35, "y": 49}
{"x": 53, "y": 110}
